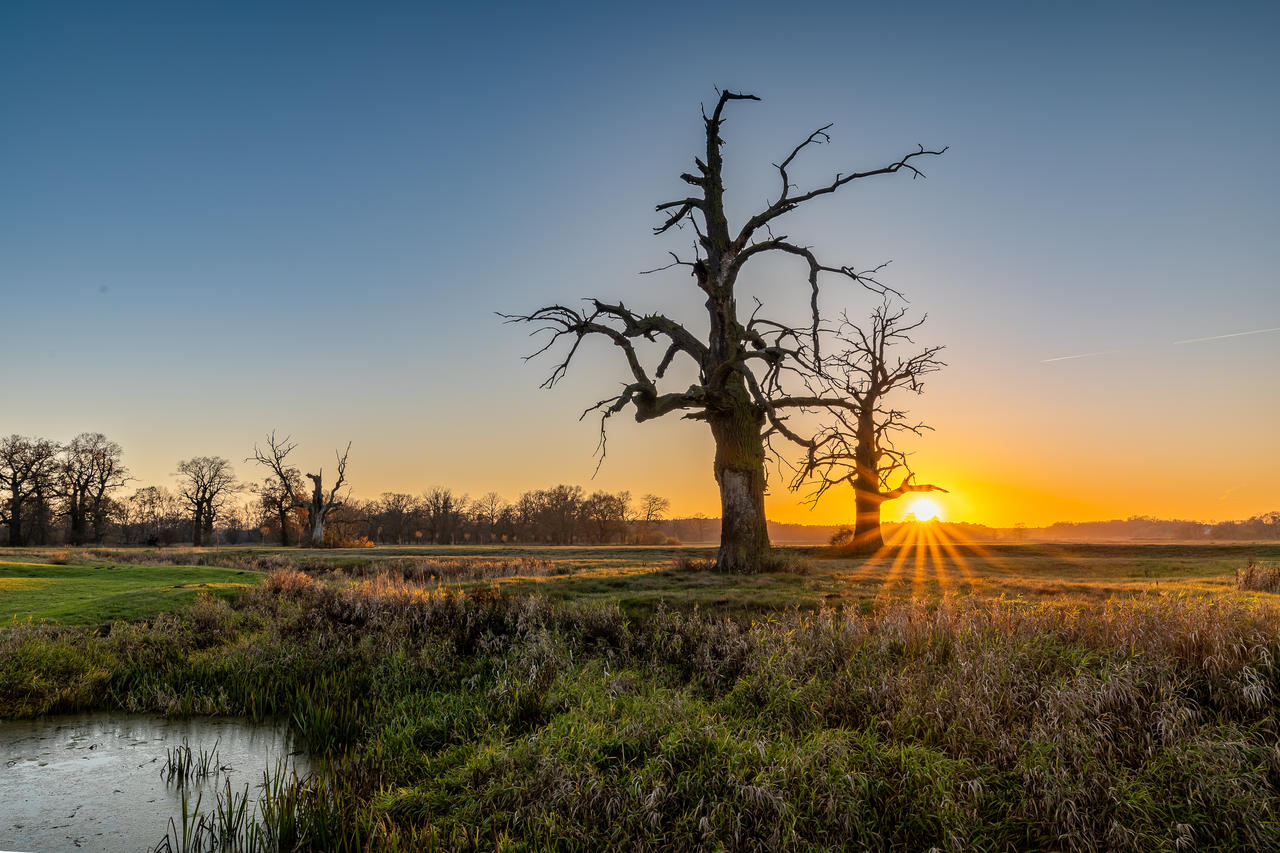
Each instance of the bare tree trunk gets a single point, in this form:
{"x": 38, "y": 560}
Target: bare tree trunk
{"x": 317, "y": 531}
{"x": 316, "y": 513}
{"x": 75, "y": 505}
{"x": 739, "y": 469}
{"x": 15, "y": 521}
{"x": 866, "y": 487}
{"x": 320, "y": 504}
{"x": 866, "y": 525}
{"x": 99, "y": 525}
{"x": 284, "y": 527}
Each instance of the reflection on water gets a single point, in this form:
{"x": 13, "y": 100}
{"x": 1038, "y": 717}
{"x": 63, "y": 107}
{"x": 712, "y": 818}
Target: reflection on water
{"x": 95, "y": 782}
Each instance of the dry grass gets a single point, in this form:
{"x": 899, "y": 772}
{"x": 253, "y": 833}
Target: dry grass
{"x": 1259, "y": 577}
{"x": 1099, "y": 708}
{"x": 461, "y": 718}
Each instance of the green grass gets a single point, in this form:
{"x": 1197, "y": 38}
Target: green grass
{"x": 940, "y": 695}
{"x": 643, "y": 579}
{"x": 448, "y": 721}
{"x": 101, "y": 592}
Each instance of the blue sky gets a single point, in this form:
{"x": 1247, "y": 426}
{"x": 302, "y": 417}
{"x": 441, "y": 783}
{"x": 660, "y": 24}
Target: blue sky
{"x": 217, "y": 219}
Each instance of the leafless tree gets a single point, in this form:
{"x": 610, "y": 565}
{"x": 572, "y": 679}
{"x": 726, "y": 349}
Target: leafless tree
{"x": 396, "y": 514}
{"x": 856, "y": 445}
{"x": 207, "y": 483}
{"x": 741, "y": 366}
{"x": 27, "y": 466}
{"x": 282, "y": 491}
{"x": 155, "y": 512}
{"x": 235, "y": 521}
{"x": 443, "y": 513}
{"x": 322, "y": 502}
{"x": 488, "y": 510}
{"x": 287, "y": 483}
{"x": 89, "y": 469}
{"x": 653, "y": 508}
{"x": 607, "y": 513}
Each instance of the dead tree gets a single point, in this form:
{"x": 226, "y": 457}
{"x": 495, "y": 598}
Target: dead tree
{"x": 741, "y": 365}
{"x": 855, "y": 445}
{"x": 320, "y": 503}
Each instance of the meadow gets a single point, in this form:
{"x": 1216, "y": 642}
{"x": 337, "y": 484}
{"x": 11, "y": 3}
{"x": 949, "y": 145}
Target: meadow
{"x": 941, "y": 695}
{"x": 97, "y": 591}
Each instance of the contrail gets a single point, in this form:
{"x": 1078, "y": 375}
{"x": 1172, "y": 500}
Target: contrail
{"x": 1232, "y": 335}
{"x": 1081, "y": 355}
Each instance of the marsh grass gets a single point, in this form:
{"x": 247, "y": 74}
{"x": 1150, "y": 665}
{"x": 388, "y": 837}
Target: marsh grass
{"x": 1259, "y": 577}
{"x": 464, "y": 718}
{"x": 184, "y": 765}
{"x": 285, "y": 810}
{"x": 778, "y": 562}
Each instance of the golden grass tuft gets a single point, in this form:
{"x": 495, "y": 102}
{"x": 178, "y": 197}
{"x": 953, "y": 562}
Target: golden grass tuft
{"x": 1259, "y": 577}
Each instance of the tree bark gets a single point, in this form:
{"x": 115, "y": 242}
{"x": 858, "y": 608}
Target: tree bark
{"x": 15, "y": 520}
{"x": 866, "y": 486}
{"x": 99, "y": 524}
{"x": 317, "y": 532}
{"x": 316, "y": 512}
{"x": 866, "y": 524}
{"x": 284, "y": 527}
{"x": 76, "y": 511}
{"x": 739, "y": 470}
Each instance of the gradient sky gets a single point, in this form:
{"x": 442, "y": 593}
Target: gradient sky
{"x": 217, "y": 219}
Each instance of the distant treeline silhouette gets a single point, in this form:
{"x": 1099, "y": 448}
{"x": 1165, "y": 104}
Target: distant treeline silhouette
{"x": 55, "y": 494}
{"x": 1264, "y": 526}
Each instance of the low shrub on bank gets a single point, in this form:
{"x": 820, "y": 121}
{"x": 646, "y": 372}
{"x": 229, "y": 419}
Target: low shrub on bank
{"x": 1259, "y": 577}
{"x": 480, "y": 721}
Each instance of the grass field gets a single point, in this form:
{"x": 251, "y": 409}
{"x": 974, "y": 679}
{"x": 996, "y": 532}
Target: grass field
{"x": 943, "y": 695}
{"x": 95, "y": 592}
{"x": 640, "y": 579}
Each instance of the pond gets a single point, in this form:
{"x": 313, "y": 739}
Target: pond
{"x": 98, "y": 781}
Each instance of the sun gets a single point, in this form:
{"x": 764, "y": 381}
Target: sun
{"x": 925, "y": 509}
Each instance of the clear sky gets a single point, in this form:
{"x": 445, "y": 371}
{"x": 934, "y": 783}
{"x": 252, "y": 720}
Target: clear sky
{"x": 217, "y": 219}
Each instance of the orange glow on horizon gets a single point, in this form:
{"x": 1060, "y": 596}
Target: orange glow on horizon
{"x": 924, "y": 509}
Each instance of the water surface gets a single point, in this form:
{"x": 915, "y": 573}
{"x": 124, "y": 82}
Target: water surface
{"x": 94, "y": 781}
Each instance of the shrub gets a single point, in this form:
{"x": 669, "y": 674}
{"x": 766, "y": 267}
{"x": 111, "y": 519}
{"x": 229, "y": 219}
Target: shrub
{"x": 1259, "y": 577}
{"x": 685, "y": 563}
{"x": 843, "y": 536}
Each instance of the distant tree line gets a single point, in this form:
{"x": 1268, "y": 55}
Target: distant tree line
{"x": 74, "y": 493}
{"x": 59, "y": 490}
{"x": 1261, "y": 527}
{"x": 559, "y": 515}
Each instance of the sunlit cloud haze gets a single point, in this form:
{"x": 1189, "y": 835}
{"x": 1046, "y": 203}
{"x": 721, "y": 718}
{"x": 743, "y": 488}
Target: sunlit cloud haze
{"x": 223, "y": 219}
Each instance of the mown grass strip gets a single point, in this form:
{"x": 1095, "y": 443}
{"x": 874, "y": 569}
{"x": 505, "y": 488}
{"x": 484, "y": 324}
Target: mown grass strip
{"x": 107, "y": 592}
